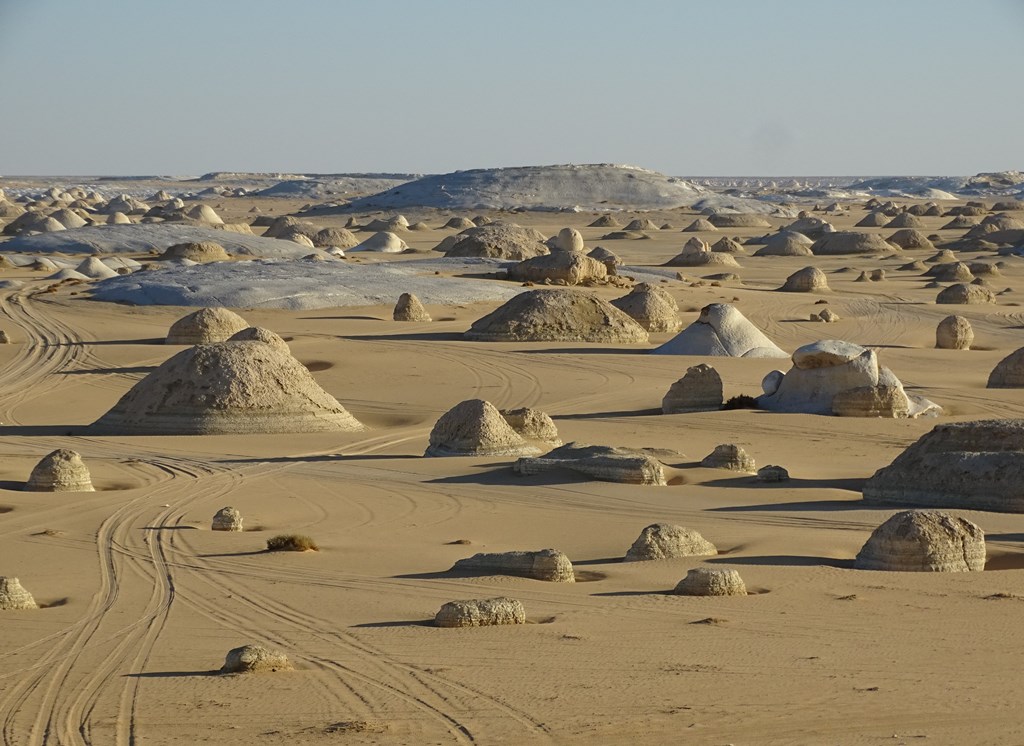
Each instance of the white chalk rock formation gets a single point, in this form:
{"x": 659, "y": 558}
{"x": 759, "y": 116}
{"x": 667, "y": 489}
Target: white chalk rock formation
{"x": 700, "y": 390}
{"x": 498, "y": 241}
{"x": 557, "y": 316}
{"x": 697, "y": 253}
{"x": 786, "y": 243}
{"x": 255, "y": 659}
{"x": 651, "y": 307}
{"x": 205, "y": 326}
{"x": 851, "y": 242}
{"x": 560, "y": 267}
{"x": 829, "y": 377}
{"x": 721, "y": 330}
{"x": 95, "y": 269}
{"x": 924, "y": 541}
{"x": 486, "y": 612}
{"x": 729, "y": 456}
{"x": 227, "y": 387}
{"x": 476, "y": 428}
{"x": 1009, "y": 372}
{"x": 547, "y": 564}
{"x": 14, "y": 597}
{"x": 806, "y": 280}
{"x": 409, "y": 308}
{"x": 60, "y": 471}
{"x": 533, "y": 425}
{"x": 603, "y": 463}
{"x": 668, "y": 541}
{"x": 954, "y": 333}
{"x": 197, "y": 251}
{"x": 384, "y": 242}
{"x": 227, "y": 519}
{"x": 707, "y": 581}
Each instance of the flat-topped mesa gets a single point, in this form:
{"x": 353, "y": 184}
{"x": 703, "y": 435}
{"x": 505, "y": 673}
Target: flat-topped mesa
{"x": 975, "y": 465}
{"x": 668, "y": 541}
{"x": 204, "y": 326}
{"x": 60, "y": 471}
{"x": 835, "y": 377}
{"x": 227, "y": 519}
{"x": 721, "y": 330}
{"x": 650, "y": 306}
{"x": 255, "y": 659}
{"x": 729, "y": 456}
{"x": 924, "y": 541}
{"x": 227, "y": 387}
{"x": 707, "y": 581}
{"x": 563, "y": 315}
{"x": 547, "y": 564}
{"x": 14, "y": 597}
{"x": 603, "y": 463}
{"x": 481, "y": 612}
{"x": 409, "y": 308}
{"x": 476, "y": 428}
{"x": 700, "y": 390}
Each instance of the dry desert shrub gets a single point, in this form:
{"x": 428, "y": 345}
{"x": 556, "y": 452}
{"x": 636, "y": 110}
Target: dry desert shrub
{"x": 291, "y": 543}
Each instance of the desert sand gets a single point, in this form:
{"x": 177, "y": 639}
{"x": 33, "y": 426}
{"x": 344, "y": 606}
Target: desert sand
{"x": 140, "y": 601}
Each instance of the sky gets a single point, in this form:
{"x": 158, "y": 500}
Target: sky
{"x": 709, "y": 88}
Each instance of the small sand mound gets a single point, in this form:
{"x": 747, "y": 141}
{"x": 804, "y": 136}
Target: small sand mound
{"x": 476, "y": 428}
{"x": 721, "y": 330}
{"x": 557, "y": 316}
{"x": 604, "y": 463}
{"x": 642, "y": 224}
{"x": 409, "y": 308}
{"x": 486, "y": 612}
{"x": 255, "y": 659}
{"x": 197, "y": 251}
{"x": 700, "y": 390}
{"x": 806, "y": 280}
{"x": 605, "y": 221}
{"x": 729, "y": 456}
{"x": 651, "y": 307}
{"x": 14, "y": 597}
{"x": 204, "y": 326}
{"x": 706, "y": 581}
{"x": 547, "y": 564}
{"x": 459, "y": 223}
{"x": 668, "y": 541}
{"x": 227, "y": 387}
{"x": 227, "y": 519}
{"x": 924, "y": 541}
{"x": 954, "y": 333}
{"x": 60, "y": 471}
{"x": 700, "y": 225}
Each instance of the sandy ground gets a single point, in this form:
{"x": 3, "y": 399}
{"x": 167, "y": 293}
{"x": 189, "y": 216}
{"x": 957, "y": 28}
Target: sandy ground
{"x": 143, "y": 600}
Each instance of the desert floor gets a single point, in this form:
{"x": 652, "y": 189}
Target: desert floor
{"x": 143, "y": 600}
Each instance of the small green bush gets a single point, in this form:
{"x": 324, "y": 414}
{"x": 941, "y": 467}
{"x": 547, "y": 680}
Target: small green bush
{"x": 291, "y": 543}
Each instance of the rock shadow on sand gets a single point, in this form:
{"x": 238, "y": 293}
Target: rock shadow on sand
{"x": 783, "y": 560}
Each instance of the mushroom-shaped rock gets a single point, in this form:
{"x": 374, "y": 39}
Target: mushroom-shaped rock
{"x": 204, "y": 326}
{"x": 851, "y": 242}
{"x": 729, "y": 456}
{"x": 668, "y": 541}
{"x": 409, "y": 308}
{"x": 485, "y": 612}
{"x": 197, "y": 251}
{"x": 721, "y": 330}
{"x": 14, "y": 597}
{"x": 772, "y": 473}
{"x": 707, "y": 581}
{"x": 60, "y": 471}
{"x": 547, "y": 564}
{"x": 255, "y": 659}
{"x": 604, "y": 463}
{"x": 806, "y": 280}
{"x": 561, "y": 267}
{"x": 924, "y": 541}
{"x": 557, "y": 316}
{"x": 476, "y": 428}
{"x": 227, "y": 387}
{"x": 700, "y": 390}
{"x": 970, "y": 465}
{"x": 532, "y": 424}
{"x": 954, "y": 333}
{"x": 227, "y": 519}
{"x": 964, "y": 294}
{"x": 650, "y": 306}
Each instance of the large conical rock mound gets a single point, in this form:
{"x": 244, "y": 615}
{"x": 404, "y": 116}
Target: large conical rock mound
{"x": 557, "y": 316}
{"x": 969, "y": 465}
{"x": 476, "y": 428}
{"x": 13, "y": 597}
{"x": 652, "y": 307}
{"x": 668, "y": 541}
{"x": 721, "y": 330}
{"x": 924, "y": 541}
{"x": 227, "y": 387}
{"x": 204, "y": 326}
{"x": 60, "y": 471}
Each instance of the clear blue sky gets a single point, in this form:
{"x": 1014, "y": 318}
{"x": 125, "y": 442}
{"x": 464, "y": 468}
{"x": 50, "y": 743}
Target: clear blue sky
{"x": 720, "y": 87}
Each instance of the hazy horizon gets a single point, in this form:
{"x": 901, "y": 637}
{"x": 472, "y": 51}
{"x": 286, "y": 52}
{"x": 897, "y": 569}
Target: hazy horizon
{"x": 771, "y": 90}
